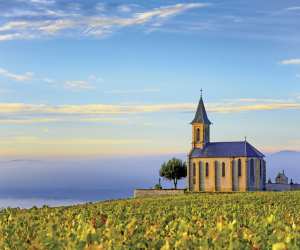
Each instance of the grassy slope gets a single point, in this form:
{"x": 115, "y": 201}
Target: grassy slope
{"x": 238, "y": 221}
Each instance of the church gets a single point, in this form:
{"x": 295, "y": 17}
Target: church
{"x": 222, "y": 166}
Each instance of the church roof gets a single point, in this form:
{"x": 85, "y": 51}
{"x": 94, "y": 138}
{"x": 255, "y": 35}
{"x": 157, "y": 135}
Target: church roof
{"x": 201, "y": 116}
{"x": 227, "y": 149}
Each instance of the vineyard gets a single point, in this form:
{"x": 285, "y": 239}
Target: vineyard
{"x": 202, "y": 221}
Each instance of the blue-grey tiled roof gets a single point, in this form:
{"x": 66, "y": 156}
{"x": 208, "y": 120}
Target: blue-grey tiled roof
{"x": 227, "y": 149}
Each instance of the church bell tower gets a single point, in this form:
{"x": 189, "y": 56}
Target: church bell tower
{"x": 200, "y": 126}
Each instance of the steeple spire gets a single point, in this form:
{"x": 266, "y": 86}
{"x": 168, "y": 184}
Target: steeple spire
{"x": 201, "y": 116}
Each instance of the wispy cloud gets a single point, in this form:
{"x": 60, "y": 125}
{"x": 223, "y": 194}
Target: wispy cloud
{"x": 17, "y": 77}
{"x": 75, "y": 118}
{"x": 43, "y": 2}
{"x": 293, "y": 61}
{"x": 106, "y": 109}
{"x": 254, "y": 107}
{"x": 51, "y": 22}
{"x": 133, "y": 91}
{"x": 26, "y": 114}
{"x": 69, "y": 141}
{"x": 28, "y": 120}
{"x": 293, "y": 8}
{"x": 126, "y": 8}
{"x": 74, "y": 85}
{"x": 78, "y": 85}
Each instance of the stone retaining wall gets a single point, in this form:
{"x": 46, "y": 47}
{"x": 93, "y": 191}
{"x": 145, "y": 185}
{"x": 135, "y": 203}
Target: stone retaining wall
{"x": 282, "y": 187}
{"x": 156, "y": 192}
{"x": 295, "y": 187}
{"x": 278, "y": 187}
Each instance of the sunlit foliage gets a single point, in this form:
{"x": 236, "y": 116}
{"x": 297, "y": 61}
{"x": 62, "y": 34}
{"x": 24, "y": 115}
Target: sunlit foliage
{"x": 202, "y": 221}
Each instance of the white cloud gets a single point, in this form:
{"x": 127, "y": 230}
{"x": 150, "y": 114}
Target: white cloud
{"x": 125, "y": 8}
{"x": 32, "y": 119}
{"x": 52, "y": 27}
{"x": 24, "y": 77}
{"x": 133, "y": 91}
{"x": 29, "y": 120}
{"x": 14, "y": 25}
{"x": 46, "y": 2}
{"x": 79, "y": 24}
{"x": 26, "y": 114}
{"x": 106, "y": 109}
{"x": 164, "y": 12}
{"x": 46, "y": 130}
{"x": 69, "y": 141}
{"x": 48, "y": 80}
{"x": 99, "y": 26}
{"x": 95, "y": 78}
{"x": 294, "y": 61}
{"x": 254, "y": 107}
{"x": 293, "y": 8}
{"x": 100, "y": 7}
{"x": 78, "y": 85}
{"x": 14, "y": 36}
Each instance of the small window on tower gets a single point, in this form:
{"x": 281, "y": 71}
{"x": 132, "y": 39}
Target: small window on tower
{"x": 198, "y": 134}
{"x": 223, "y": 169}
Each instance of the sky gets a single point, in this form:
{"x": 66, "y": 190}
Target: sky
{"x": 93, "y": 78}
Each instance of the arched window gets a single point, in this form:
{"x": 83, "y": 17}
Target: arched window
{"x": 194, "y": 169}
{"x": 223, "y": 169}
{"x": 207, "y": 169}
{"x": 252, "y": 171}
{"x": 198, "y": 134}
{"x": 240, "y": 167}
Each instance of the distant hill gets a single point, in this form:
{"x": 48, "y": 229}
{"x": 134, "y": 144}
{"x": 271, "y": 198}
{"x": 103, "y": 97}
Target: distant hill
{"x": 289, "y": 161}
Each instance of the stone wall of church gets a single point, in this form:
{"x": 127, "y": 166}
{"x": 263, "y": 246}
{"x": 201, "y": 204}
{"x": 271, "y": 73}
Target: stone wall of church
{"x": 214, "y": 179}
{"x": 256, "y": 169}
{"x": 241, "y": 174}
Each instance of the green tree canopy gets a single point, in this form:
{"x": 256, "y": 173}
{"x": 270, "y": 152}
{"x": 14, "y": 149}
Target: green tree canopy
{"x": 173, "y": 170}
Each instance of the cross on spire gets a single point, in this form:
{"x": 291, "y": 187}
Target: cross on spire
{"x": 201, "y": 91}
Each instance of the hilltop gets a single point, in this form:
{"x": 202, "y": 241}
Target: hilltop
{"x": 289, "y": 161}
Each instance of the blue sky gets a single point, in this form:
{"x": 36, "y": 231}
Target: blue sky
{"x": 124, "y": 77}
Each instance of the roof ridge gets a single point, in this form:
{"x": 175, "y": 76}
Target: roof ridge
{"x": 253, "y": 148}
{"x": 227, "y": 142}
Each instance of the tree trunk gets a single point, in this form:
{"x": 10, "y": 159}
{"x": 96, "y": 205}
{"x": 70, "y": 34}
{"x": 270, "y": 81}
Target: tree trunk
{"x": 175, "y": 183}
